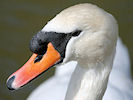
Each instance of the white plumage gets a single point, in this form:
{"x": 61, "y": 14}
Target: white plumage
{"x": 93, "y": 50}
{"x": 120, "y": 86}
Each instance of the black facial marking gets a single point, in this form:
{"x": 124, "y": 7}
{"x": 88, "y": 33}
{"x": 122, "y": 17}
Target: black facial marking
{"x": 38, "y": 58}
{"x": 39, "y": 42}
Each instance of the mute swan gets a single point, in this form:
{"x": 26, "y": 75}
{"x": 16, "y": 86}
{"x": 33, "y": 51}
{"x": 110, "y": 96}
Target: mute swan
{"x": 84, "y": 33}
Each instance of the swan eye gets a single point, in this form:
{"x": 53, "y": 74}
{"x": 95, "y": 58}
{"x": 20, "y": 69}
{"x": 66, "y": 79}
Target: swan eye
{"x": 38, "y": 58}
{"x": 76, "y": 33}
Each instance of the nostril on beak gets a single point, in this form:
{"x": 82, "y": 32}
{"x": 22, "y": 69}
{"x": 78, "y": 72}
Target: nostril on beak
{"x": 9, "y": 83}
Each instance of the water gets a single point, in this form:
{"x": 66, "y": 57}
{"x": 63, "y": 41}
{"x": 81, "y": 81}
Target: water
{"x": 20, "y": 20}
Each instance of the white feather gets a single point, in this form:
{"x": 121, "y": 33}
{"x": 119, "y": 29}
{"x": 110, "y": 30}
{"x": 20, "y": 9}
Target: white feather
{"x": 120, "y": 85}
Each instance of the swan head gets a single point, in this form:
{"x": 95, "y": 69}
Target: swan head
{"x": 84, "y": 33}
{"x": 98, "y": 32}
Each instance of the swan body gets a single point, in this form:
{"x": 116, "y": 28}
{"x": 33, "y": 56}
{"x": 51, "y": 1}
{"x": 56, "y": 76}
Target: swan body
{"x": 83, "y": 33}
{"x": 94, "y": 59}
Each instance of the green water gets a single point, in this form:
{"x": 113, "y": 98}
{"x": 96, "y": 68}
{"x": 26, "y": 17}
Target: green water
{"x": 20, "y": 20}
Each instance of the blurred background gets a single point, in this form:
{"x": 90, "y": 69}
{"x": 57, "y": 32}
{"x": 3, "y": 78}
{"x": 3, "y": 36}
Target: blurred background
{"x": 21, "y": 19}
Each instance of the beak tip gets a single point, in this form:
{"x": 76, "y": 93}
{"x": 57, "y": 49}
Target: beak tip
{"x": 9, "y": 83}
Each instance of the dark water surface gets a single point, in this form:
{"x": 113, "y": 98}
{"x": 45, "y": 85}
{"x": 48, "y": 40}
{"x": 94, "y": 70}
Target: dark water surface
{"x": 20, "y": 20}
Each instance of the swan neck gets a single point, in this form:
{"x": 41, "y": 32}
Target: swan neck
{"x": 88, "y": 83}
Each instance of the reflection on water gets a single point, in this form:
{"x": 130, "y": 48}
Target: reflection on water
{"x": 20, "y": 20}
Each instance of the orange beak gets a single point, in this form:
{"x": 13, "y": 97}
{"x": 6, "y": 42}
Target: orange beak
{"x": 30, "y": 69}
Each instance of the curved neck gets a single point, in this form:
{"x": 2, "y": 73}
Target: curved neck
{"x": 88, "y": 83}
